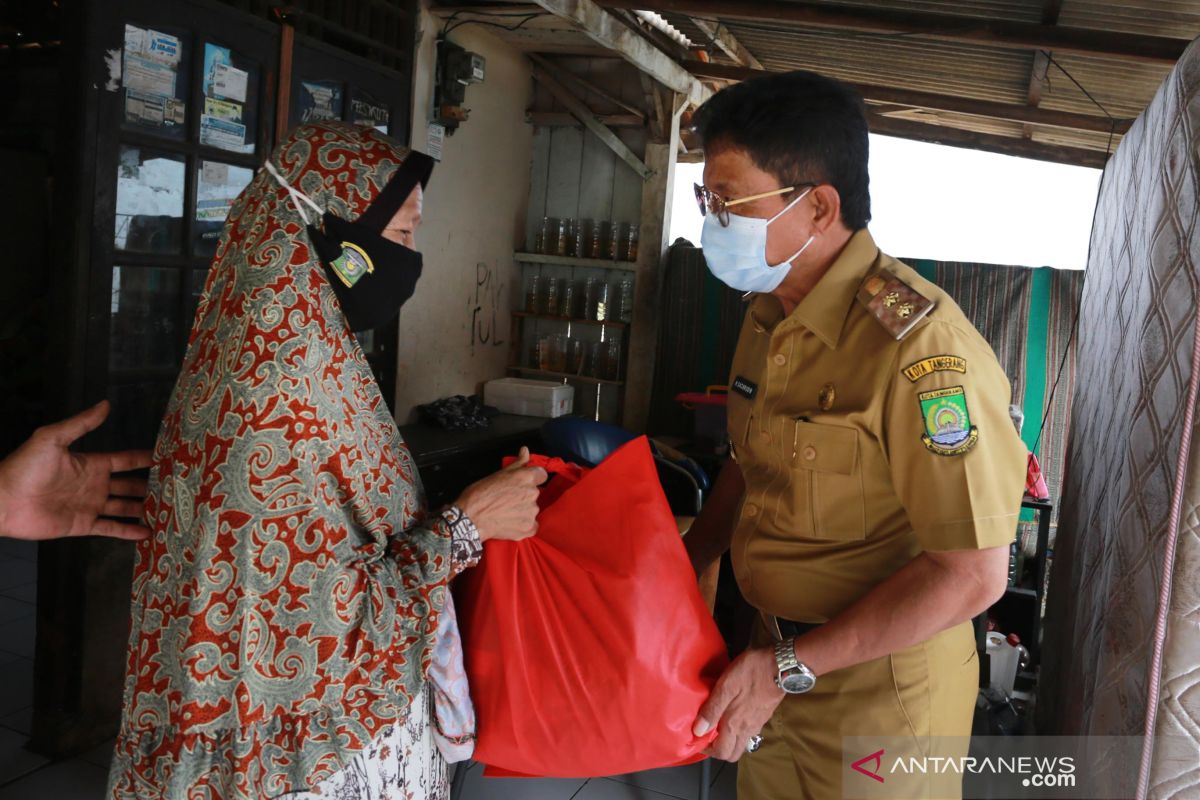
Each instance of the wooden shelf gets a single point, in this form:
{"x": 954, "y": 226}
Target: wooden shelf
{"x": 567, "y": 375}
{"x": 569, "y": 261}
{"x": 612, "y": 323}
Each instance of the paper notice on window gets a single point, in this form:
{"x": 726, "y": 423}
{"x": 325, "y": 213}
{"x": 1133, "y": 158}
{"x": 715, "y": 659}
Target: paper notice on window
{"x": 174, "y": 112}
{"x": 365, "y": 110}
{"x": 214, "y": 172}
{"x": 223, "y": 109}
{"x": 229, "y": 83}
{"x": 320, "y": 100}
{"x": 145, "y": 109}
{"x": 215, "y": 210}
{"x": 220, "y": 185}
{"x": 151, "y": 62}
{"x": 148, "y": 76}
{"x": 135, "y": 40}
{"x": 163, "y": 47}
{"x": 223, "y": 133}
{"x": 437, "y": 136}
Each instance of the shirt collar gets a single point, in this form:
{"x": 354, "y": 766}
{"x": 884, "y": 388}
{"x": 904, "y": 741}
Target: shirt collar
{"x": 826, "y": 307}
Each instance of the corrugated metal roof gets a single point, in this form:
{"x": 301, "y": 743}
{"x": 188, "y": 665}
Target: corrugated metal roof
{"x": 1179, "y": 19}
{"x": 901, "y": 62}
{"x": 976, "y": 70}
{"x": 1123, "y": 86}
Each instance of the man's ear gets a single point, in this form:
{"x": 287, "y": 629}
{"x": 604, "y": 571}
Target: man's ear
{"x": 826, "y": 206}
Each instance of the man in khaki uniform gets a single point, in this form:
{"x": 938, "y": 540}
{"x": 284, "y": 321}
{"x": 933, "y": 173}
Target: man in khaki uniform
{"x": 875, "y": 478}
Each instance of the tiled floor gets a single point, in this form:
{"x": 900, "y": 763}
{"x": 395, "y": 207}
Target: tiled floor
{"x": 678, "y": 783}
{"x": 27, "y": 776}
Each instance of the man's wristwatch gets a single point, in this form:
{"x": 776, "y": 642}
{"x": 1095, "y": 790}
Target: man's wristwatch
{"x": 794, "y": 677}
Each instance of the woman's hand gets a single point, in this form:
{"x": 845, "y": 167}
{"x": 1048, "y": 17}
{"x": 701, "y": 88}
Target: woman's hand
{"x": 504, "y": 505}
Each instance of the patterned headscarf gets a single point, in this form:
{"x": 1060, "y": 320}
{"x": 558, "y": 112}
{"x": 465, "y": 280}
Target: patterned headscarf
{"x": 284, "y": 608}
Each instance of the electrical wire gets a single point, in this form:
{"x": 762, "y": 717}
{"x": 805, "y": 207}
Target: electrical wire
{"x": 1112, "y": 127}
{"x": 526, "y": 17}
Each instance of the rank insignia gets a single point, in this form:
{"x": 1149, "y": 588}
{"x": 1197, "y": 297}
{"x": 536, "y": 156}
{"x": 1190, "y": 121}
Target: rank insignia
{"x": 895, "y": 305}
{"x": 948, "y": 428}
{"x": 352, "y": 264}
{"x": 927, "y": 366}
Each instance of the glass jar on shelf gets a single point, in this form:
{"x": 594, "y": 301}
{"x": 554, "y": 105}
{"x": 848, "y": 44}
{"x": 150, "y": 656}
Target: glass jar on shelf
{"x": 533, "y": 293}
{"x": 601, "y": 239}
{"x": 565, "y": 242}
{"x": 602, "y": 306}
{"x": 558, "y": 353}
{"x": 629, "y": 243}
{"x": 575, "y": 350}
{"x": 584, "y": 231}
{"x": 567, "y": 299}
{"x": 612, "y": 360}
{"x": 624, "y": 304}
{"x": 593, "y": 361}
{"x": 619, "y": 232}
{"x": 549, "y": 236}
{"x": 550, "y": 299}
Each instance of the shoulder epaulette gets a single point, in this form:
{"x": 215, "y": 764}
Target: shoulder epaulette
{"x": 893, "y": 303}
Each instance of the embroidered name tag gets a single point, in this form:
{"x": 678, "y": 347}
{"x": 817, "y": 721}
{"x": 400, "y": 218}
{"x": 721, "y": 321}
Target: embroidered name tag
{"x": 927, "y": 366}
{"x": 745, "y": 388}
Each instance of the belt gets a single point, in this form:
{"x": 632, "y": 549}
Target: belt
{"x": 785, "y": 628}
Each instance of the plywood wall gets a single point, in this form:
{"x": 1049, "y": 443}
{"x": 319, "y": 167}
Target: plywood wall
{"x": 454, "y": 332}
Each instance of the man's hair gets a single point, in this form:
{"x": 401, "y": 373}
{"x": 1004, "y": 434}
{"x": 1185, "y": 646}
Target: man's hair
{"x": 800, "y": 127}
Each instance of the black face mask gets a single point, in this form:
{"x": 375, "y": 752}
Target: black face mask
{"x": 371, "y": 275}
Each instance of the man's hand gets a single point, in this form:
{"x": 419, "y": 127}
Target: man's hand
{"x": 48, "y": 492}
{"x": 741, "y": 703}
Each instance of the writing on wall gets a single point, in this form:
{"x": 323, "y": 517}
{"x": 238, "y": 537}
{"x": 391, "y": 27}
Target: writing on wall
{"x": 484, "y": 304}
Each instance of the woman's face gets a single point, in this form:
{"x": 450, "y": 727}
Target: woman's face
{"x": 402, "y": 228}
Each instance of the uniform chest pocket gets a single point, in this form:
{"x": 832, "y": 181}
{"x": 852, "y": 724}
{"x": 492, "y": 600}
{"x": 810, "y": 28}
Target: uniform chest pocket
{"x": 824, "y": 499}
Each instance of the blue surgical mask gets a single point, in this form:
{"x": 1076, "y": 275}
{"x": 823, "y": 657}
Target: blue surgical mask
{"x": 737, "y": 253}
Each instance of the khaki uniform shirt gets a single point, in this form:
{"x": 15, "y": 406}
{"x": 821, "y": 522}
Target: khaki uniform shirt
{"x": 860, "y": 451}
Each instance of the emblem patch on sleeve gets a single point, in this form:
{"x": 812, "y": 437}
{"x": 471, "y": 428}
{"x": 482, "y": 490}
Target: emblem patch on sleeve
{"x": 948, "y": 428}
{"x": 927, "y": 366}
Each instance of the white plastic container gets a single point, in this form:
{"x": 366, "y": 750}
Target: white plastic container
{"x": 529, "y": 398}
{"x": 1005, "y": 660}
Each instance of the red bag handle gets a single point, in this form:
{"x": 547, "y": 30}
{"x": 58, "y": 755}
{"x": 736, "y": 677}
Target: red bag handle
{"x": 567, "y": 474}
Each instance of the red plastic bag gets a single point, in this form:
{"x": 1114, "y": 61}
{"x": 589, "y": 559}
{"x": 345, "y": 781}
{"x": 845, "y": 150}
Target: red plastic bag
{"x": 589, "y": 648}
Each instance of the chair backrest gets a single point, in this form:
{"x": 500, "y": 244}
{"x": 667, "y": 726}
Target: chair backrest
{"x": 587, "y": 442}
{"x": 583, "y": 441}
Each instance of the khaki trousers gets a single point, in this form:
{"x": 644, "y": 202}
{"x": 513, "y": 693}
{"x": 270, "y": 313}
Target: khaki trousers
{"x": 925, "y": 690}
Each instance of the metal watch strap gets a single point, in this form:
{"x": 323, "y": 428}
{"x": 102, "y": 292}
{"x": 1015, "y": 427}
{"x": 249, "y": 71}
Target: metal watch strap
{"x": 785, "y": 656}
{"x": 793, "y": 676}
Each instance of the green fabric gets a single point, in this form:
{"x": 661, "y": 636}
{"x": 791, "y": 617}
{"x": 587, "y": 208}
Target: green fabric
{"x": 1036, "y": 345}
{"x": 926, "y": 268}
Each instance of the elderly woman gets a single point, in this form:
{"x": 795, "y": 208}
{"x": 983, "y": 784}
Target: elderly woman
{"x": 286, "y": 605}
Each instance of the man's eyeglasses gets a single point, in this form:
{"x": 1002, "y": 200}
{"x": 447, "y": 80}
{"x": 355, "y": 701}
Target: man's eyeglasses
{"x": 712, "y": 203}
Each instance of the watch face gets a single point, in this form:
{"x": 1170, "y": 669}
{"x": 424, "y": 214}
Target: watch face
{"x": 797, "y": 683}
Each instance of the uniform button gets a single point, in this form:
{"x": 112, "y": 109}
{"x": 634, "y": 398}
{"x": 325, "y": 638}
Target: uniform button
{"x": 765, "y": 436}
{"x": 751, "y": 511}
{"x": 810, "y": 453}
{"x": 780, "y": 359}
